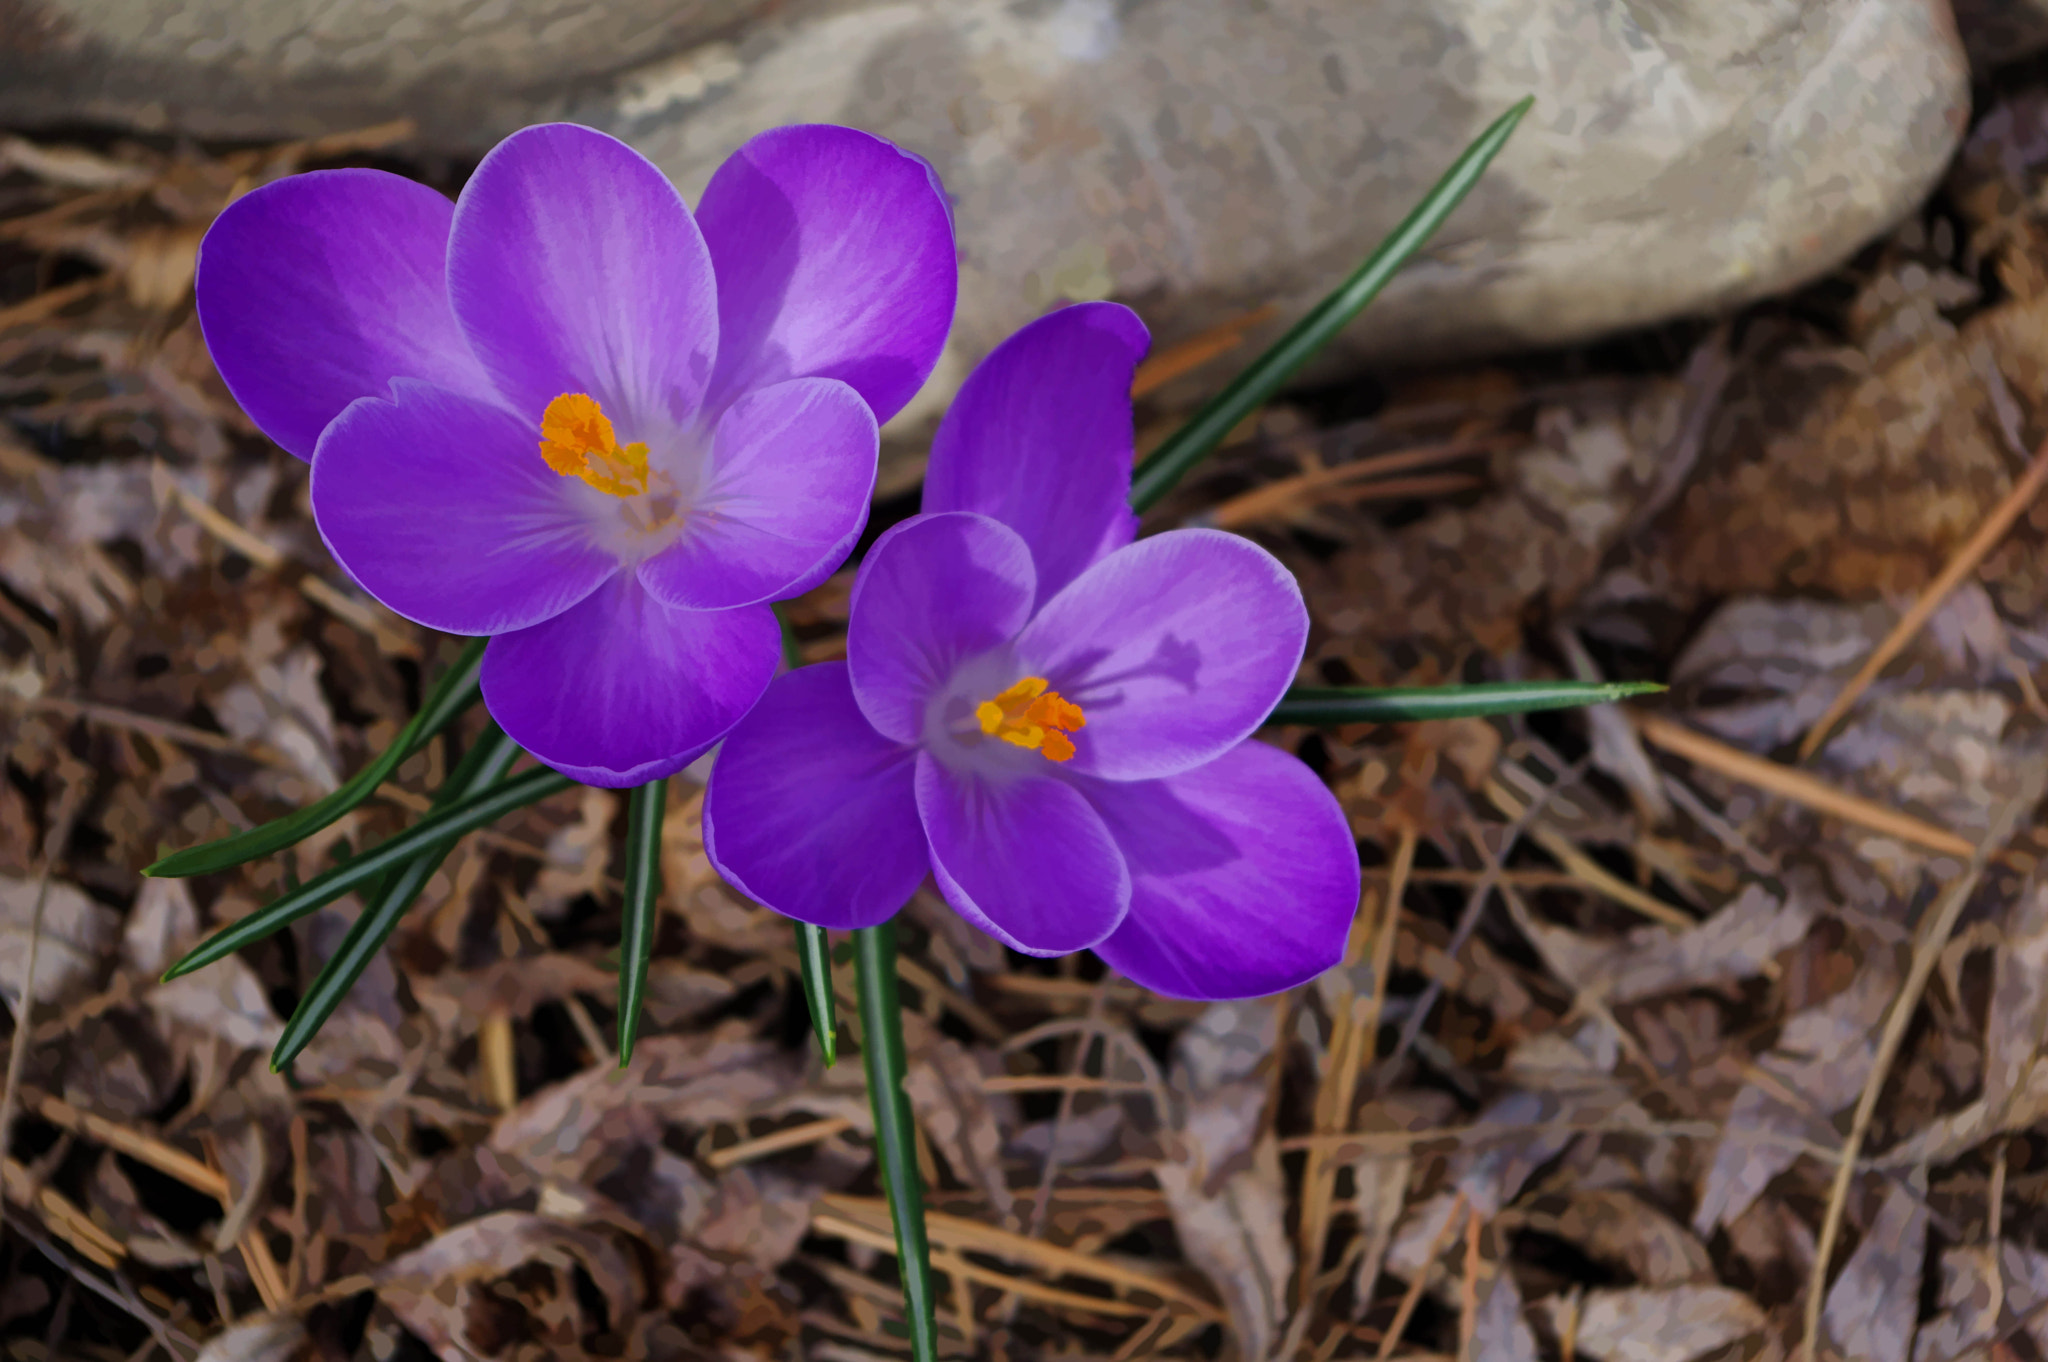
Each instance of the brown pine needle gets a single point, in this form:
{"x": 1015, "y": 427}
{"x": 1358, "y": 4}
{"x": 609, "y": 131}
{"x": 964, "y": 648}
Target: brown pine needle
{"x": 1953, "y": 573}
{"x": 1327, "y": 484}
{"x": 1392, "y": 1337}
{"x": 1192, "y": 353}
{"x": 775, "y": 1143}
{"x": 1798, "y": 786}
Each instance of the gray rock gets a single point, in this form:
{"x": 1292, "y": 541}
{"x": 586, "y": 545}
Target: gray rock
{"x": 1193, "y": 158}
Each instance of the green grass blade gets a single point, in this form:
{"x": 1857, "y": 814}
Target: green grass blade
{"x": 881, "y": 1034}
{"x": 1251, "y": 389}
{"x": 466, "y": 815}
{"x": 814, "y": 959}
{"x": 1365, "y": 705}
{"x": 452, "y": 694}
{"x": 481, "y": 767}
{"x": 645, "y": 808}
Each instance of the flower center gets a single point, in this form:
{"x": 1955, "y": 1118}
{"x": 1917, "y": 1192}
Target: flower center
{"x": 1033, "y": 717}
{"x": 577, "y": 440}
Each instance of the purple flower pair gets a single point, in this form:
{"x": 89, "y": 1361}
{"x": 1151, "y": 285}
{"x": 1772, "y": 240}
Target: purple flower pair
{"x": 566, "y": 413}
{"x": 1051, "y": 720}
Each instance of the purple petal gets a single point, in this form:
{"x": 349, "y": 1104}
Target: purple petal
{"x": 933, "y": 592}
{"x": 785, "y": 497}
{"x": 811, "y": 811}
{"x": 1028, "y": 860}
{"x": 321, "y": 288}
{"x": 835, "y": 259}
{"x": 1176, "y": 648}
{"x": 1040, "y": 439}
{"x": 621, "y": 689}
{"x": 574, "y": 267}
{"x": 441, "y": 507}
{"x": 1244, "y": 876}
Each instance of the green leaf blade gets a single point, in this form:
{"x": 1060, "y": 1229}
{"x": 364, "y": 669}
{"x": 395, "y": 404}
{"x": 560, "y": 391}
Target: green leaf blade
{"x": 463, "y": 816}
{"x": 882, "y": 1053}
{"x": 814, "y": 965}
{"x": 484, "y": 765}
{"x": 452, "y": 694}
{"x": 1251, "y": 389}
{"x": 641, "y": 915}
{"x": 1333, "y": 706}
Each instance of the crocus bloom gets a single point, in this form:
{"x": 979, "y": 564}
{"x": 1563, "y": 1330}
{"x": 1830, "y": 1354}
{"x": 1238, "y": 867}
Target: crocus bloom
{"x": 566, "y": 413}
{"x": 1051, "y": 720}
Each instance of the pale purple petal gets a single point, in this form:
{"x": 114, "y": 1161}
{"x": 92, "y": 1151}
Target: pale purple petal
{"x": 1028, "y": 859}
{"x": 1176, "y": 648}
{"x": 1040, "y": 439}
{"x": 835, "y": 259}
{"x": 785, "y": 497}
{"x": 1244, "y": 876}
{"x": 441, "y": 507}
{"x": 621, "y": 689}
{"x": 317, "y": 289}
{"x": 811, "y": 811}
{"x": 933, "y": 592}
{"x": 574, "y": 267}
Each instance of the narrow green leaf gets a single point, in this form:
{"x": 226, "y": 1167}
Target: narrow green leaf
{"x": 483, "y": 766}
{"x": 1330, "y": 707}
{"x": 465, "y": 815}
{"x": 452, "y": 694}
{"x": 881, "y": 1034}
{"x": 814, "y": 959}
{"x": 645, "y": 808}
{"x": 1250, "y": 390}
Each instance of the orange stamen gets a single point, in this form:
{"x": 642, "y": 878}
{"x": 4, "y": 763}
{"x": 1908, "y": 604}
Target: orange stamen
{"x": 577, "y": 440}
{"x": 1033, "y": 717}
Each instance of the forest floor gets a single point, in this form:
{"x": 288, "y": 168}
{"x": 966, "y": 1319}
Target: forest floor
{"x": 1687, "y": 1032}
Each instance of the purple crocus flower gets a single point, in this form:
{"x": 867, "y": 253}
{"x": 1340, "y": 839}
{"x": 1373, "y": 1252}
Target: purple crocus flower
{"x": 1051, "y": 720}
{"x": 565, "y": 413}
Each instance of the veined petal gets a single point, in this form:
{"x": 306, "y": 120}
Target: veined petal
{"x": 1040, "y": 439}
{"x": 835, "y": 259}
{"x": 621, "y": 689}
{"x": 786, "y": 495}
{"x": 933, "y": 592}
{"x": 1028, "y": 860}
{"x": 573, "y": 266}
{"x": 1176, "y": 648}
{"x": 435, "y": 502}
{"x": 321, "y": 288}
{"x": 811, "y": 811}
{"x": 1244, "y": 876}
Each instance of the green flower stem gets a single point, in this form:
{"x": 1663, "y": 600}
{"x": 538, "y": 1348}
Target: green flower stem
{"x": 461, "y": 816}
{"x": 641, "y": 917}
{"x": 881, "y": 1036}
{"x": 483, "y": 766}
{"x": 1250, "y": 390}
{"x": 1330, "y": 707}
{"x": 455, "y": 692}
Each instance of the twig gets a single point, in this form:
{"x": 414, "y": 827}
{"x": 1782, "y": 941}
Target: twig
{"x": 795, "y": 1137}
{"x": 1959, "y": 566}
{"x": 1468, "y": 1315}
{"x": 17, "y": 1056}
{"x": 1326, "y": 484}
{"x": 1392, "y": 1337}
{"x": 1798, "y": 786}
{"x": 1926, "y": 954}
{"x": 1192, "y": 353}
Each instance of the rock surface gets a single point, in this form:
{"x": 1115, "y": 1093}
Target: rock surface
{"x": 1193, "y": 158}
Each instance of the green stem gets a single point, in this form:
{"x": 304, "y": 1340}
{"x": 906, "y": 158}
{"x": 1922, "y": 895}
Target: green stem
{"x": 814, "y": 964}
{"x": 641, "y": 918}
{"x": 455, "y": 692}
{"x": 1328, "y": 707}
{"x": 1250, "y": 390}
{"x": 481, "y": 767}
{"x": 881, "y": 1035}
{"x": 466, "y": 815}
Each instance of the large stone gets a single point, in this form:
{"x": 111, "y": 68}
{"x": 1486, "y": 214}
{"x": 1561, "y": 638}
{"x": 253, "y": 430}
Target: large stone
{"x": 1193, "y": 157}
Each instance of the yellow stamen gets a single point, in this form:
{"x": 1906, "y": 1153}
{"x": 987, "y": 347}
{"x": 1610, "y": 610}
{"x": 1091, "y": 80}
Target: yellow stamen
{"x": 577, "y": 441}
{"x": 1033, "y": 717}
